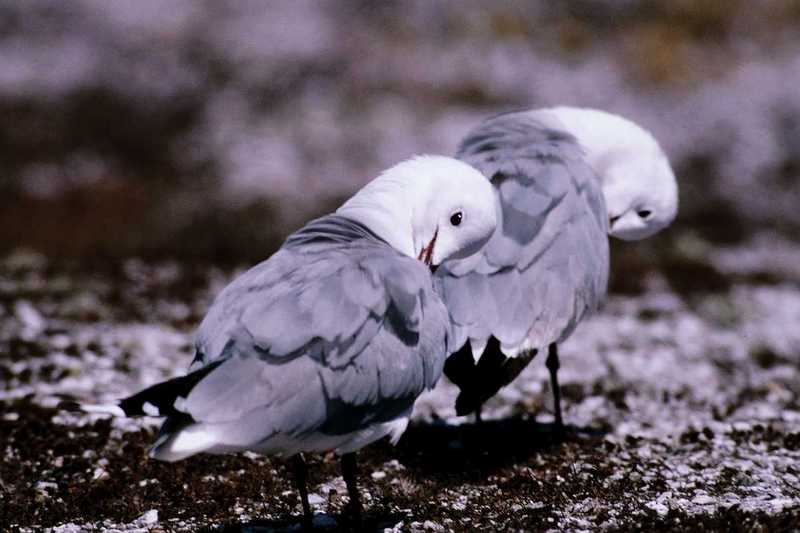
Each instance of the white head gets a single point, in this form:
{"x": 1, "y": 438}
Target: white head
{"x": 638, "y": 184}
{"x": 432, "y": 208}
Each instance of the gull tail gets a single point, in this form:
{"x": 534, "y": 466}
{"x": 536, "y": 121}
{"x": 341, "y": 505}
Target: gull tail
{"x": 161, "y": 399}
{"x": 112, "y": 409}
{"x": 180, "y": 435}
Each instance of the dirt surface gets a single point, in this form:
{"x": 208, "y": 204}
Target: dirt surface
{"x": 683, "y": 412}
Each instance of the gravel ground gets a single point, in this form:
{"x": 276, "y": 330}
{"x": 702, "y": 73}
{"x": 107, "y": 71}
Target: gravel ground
{"x": 683, "y": 409}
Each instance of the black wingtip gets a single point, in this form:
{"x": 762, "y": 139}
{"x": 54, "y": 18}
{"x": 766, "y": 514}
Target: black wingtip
{"x": 459, "y": 367}
{"x": 466, "y": 405}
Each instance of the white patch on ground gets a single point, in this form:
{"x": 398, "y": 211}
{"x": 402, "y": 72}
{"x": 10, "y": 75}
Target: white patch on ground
{"x": 678, "y": 369}
{"x": 680, "y": 357}
{"x": 691, "y": 389}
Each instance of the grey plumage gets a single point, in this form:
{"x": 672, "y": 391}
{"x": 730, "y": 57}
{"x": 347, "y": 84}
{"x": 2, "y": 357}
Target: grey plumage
{"x": 547, "y": 264}
{"x": 323, "y": 340}
{"x": 326, "y": 345}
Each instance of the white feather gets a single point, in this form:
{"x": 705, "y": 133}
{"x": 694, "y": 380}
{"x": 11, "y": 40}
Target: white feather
{"x": 409, "y": 203}
{"x": 478, "y": 346}
{"x": 150, "y": 409}
{"x": 396, "y": 429}
{"x": 188, "y": 441}
{"x": 212, "y": 438}
{"x": 604, "y": 136}
{"x": 635, "y": 174}
{"x": 106, "y": 408}
{"x": 512, "y": 351}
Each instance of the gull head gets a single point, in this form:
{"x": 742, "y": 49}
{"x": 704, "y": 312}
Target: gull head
{"x": 639, "y": 186}
{"x": 454, "y": 216}
{"x": 641, "y": 195}
{"x": 432, "y": 208}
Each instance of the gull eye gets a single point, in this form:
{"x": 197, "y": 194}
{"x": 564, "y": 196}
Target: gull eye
{"x": 456, "y": 218}
{"x": 644, "y": 214}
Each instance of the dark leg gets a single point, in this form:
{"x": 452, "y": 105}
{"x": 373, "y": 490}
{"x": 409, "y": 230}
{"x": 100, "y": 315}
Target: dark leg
{"x": 350, "y": 475}
{"x": 300, "y": 476}
{"x": 478, "y": 417}
{"x": 553, "y": 366}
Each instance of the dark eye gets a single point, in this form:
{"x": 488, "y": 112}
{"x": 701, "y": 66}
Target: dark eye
{"x": 456, "y": 218}
{"x": 644, "y": 213}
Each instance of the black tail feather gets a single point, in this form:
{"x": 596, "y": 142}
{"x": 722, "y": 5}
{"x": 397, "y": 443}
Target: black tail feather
{"x": 157, "y": 400}
{"x": 479, "y": 382}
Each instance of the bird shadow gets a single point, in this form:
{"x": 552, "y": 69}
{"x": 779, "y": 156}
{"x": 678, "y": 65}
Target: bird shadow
{"x": 322, "y": 523}
{"x": 445, "y": 452}
{"x": 475, "y": 449}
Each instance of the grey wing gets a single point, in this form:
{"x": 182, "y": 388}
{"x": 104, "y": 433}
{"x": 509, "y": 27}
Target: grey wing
{"x": 329, "y": 342}
{"x": 547, "y": 263}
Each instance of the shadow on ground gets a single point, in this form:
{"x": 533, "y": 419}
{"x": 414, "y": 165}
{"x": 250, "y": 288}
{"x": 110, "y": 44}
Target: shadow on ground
{"x": 448, "y": 454}
{"x": 472, "y": 451}
{"x": 702, "y": 431}
{"x": 323, "y": 522}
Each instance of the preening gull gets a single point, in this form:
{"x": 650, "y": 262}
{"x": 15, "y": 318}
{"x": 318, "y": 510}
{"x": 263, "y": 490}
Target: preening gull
{"x": 327, "y": 344}
{"x": 564, "y": 179}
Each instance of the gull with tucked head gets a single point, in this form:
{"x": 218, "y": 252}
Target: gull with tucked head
{"x": 638, "y": 184}
{"x": 565, "y": 179}
{"x": 432, "y": 208}
{"x": 327, "y": 344}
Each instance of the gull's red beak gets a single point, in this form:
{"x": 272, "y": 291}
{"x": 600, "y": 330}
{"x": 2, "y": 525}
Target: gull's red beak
{"x": 426, "y": 254}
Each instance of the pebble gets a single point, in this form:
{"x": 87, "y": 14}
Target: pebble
{"x": 31, "y": 319}
{"x": 659, "y": 508}
{"x": 148, "y": 518}
{"x": 703, "y": 499}
{"x": 69, "y": 528}
{"x": 44, "y": 486}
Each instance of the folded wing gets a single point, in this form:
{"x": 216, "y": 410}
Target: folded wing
{"x": 547, "y": 264}
{"x": 334, "y": 333}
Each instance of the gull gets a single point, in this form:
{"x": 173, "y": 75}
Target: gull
{"x": 564, "y": 178}
{"x": 327, "y": 344}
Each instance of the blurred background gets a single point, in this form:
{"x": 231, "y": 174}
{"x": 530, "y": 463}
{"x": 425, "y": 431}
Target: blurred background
{"x": 208, "y": 130}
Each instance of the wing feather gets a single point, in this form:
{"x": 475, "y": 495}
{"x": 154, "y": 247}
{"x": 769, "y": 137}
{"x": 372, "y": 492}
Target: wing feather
{"x": 340, "y": 343}
{"x": 547, "y": 264}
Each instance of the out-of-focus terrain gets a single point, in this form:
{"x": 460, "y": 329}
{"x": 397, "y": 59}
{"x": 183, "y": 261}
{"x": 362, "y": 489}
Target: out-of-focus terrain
{"x": 149, "y": 151}
{"x": 202, "y": 128}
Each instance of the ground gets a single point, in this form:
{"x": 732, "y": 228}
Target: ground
{"x": 682, "y": 406}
